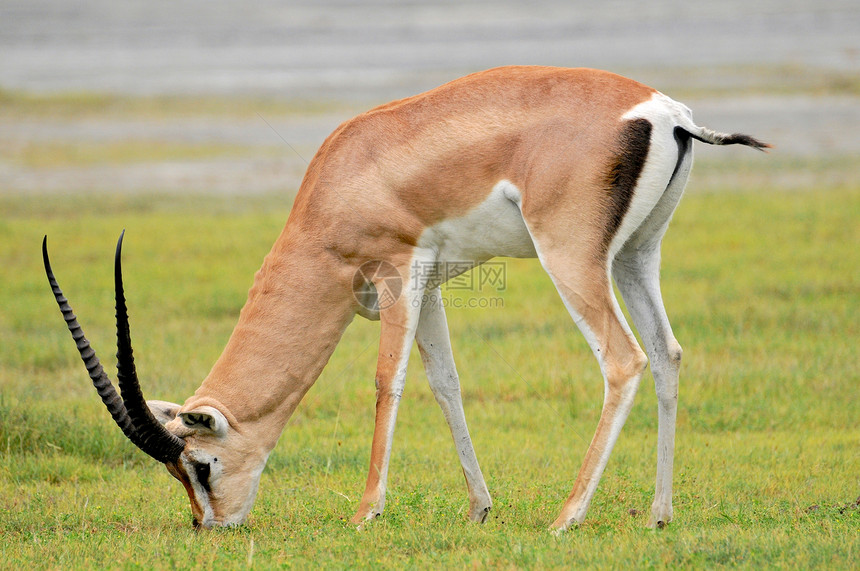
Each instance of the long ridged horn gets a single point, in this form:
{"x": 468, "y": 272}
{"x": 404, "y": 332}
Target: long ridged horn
{"x": 101, "y": 382}
{"x": 155, "y": 440}
{"x": 164, "y": 448}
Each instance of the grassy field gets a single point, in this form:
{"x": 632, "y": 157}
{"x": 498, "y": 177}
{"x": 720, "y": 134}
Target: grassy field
{"x": 763, "y": 289}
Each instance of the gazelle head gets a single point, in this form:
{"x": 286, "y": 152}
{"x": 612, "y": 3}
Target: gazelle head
{"x": 219, "y": 468}
{"x": 218, "y": 465}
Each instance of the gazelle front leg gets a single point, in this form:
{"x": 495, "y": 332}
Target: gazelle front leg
{"x": 398, "y": 322}
{"x": 434, "y": 343}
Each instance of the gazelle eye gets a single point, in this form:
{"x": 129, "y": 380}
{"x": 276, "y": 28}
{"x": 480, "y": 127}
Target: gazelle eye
{"x": 202, "y": 473}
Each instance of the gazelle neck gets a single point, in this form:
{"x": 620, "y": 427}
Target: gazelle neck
{"x": 296, "y": 312}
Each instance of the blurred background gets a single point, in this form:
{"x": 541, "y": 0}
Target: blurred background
{"x": 235, "y": 97}
{"x": 190, "y": 124}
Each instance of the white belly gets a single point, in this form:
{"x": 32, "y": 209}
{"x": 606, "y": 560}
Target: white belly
{"x": 493, "y": 228}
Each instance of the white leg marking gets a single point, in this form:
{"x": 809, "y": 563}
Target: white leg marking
{"x": 435, "y": 346}
{"x": 638, "y": 280}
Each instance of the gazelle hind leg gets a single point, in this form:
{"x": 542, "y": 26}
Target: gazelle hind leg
{"x": 636, "y": 270}
{"x": 585, "y": 289}
{"x": 435, "y": 346}
{"x": 637, "y": 275}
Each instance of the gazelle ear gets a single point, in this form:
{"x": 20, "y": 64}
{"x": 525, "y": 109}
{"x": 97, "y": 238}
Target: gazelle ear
{"x": 205, "y": 419}
{"x": 163, "y": 411}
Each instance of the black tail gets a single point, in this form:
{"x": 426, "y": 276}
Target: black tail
{"x": 714, "y": 138}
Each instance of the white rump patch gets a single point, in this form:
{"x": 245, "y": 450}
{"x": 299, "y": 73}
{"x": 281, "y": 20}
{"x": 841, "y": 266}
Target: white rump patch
{"x": 664, "y": 114}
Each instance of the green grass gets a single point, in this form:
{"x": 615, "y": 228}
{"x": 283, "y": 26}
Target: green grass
{"x": 763, "y": 290}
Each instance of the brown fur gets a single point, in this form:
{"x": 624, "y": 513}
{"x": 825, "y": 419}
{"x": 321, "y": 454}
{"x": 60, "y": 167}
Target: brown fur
{"x": 391, "y": 173}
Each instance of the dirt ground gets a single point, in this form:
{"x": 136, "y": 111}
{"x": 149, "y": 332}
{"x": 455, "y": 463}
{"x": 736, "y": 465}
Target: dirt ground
{"x": 786, "y": 71}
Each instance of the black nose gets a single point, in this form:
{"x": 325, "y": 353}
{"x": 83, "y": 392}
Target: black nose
{"x": 195, "y": 523}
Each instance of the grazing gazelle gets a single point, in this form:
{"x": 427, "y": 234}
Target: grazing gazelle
{"x": 577, "y": 167}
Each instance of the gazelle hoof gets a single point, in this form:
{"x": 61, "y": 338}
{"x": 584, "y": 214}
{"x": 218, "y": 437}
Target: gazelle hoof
{"x": 479, "y": 515}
